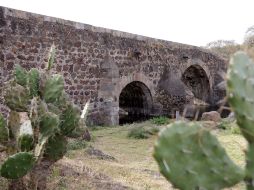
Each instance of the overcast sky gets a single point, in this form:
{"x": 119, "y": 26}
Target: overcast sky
{"x": 195, "y": 22}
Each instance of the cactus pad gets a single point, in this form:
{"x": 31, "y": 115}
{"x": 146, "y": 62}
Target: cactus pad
{"x": 192, "y": 158}
{"x": 56, "y": 147}
{"x": 17, "y": 98}
{"x": 48, "y": 124}
{"x": 51, "y": 57}
{"x": 240, "y": 83}
{"x": 17, "y": 165}
{"x": 33, "y": 82}
{"x": 53, "y": 88}
{"x": 20, "y": 75}
{"x": 69, "y": 119}
{"x": 4, "y": 133}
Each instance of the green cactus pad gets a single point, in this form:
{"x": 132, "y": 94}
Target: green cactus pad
{"x": 48, "y": 124}
{"x": 26, "y": 143}
{"x": 4, "y": 132}
{"x": 33, "y": 82}
{"x": 69, "y": 119}
{"x": 17, "y": 165}
{"x": 51, "y": 57}
{"x": 17, "y": 97}
{"x": 240, "y": 90}
{"x": 53, "y": 89}
{"x": 56, "y": 147}
{"x": 192, "y": 158}
{"x": 20, "y": 75}
{"x": 63, "y": 101}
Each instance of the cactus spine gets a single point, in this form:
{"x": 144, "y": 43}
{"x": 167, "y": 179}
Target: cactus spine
{"x": 192, "y": 158}
{"x": 40, "y": 119}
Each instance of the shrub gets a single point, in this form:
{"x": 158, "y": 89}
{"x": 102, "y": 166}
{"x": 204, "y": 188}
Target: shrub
{"x": 142, "y": 132}
{"x": 161, "y": 120}
{"x": 230, "y": 126}
{"x": 76, "y": 144}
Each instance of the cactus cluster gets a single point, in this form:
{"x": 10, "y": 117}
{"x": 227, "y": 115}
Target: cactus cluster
{"x": 190, "y": 157}
{"x": 41, "y": 117}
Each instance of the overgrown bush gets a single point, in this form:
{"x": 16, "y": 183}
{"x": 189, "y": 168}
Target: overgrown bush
{"x": 192, "y": 158}
{"x": 230, "y": 126}
{"x": 142, "y": 132}
{"x": 76, "y": 144}
{"x": 161, "y": 120}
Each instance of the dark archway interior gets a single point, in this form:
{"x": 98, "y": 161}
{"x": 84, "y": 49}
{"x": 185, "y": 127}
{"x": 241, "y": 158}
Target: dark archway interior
{"x": 135, "y": 103}
{"x": 197, "y": 81}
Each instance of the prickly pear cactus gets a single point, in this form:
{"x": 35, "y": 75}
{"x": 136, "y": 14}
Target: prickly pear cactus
{"x": 192, "y": 158}
{"x": 41, "y": 116}
{"x": 17, "y": 97}
{"x": 56, "y": 147}
{"x": 17, "y": 165}
{"x": 20, "y": 75}
{"x": 4, "y": 132}
{"x": 240, "y": 90}
{"x": 33, "y": 82}
{"x": 53, "y": 89}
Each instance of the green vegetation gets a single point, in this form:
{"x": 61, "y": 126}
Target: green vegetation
{"x": 76, "y": 144}
{"x": 142, "y": 132}
{"x": 41, "y": 117}
{"x": 161, "y": 120}
{"x": 200, "y": 152}
{"x": 229, "y": 126}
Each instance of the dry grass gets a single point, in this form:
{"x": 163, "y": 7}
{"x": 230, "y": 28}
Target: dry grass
{"x": 133, "y": 166}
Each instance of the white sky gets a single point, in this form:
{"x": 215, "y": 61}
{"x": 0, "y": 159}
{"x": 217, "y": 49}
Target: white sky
{"x": 195, "y": 22}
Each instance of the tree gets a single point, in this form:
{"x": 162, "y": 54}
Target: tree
{"x": 225, "y": 48}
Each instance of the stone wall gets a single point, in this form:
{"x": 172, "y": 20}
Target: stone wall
{"x": 98, "y": 63}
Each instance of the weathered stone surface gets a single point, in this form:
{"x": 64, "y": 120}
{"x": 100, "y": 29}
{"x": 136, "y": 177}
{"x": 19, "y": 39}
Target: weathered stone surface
{"x": 97, "y": 64}
{"x": 211, "y": 116}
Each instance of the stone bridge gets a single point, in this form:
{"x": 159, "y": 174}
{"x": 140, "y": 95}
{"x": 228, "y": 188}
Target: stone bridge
{"x": 140, "y": 75}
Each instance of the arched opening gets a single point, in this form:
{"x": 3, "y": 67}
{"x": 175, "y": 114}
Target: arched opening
{"x": 135, "y": 103}
{"x": 195, "y": 78}
{"x": 197, "y": 82}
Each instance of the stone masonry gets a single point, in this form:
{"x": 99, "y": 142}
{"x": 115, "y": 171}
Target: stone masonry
{"x": 110, "y": 68}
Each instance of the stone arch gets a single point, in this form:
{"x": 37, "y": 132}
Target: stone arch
{"x": 135, "y": 102}
{"x": 197, "y": 80}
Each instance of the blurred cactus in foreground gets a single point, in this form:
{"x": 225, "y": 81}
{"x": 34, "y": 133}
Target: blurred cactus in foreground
{"x": 40, "y": 118}
{"x": 190, "y": 157}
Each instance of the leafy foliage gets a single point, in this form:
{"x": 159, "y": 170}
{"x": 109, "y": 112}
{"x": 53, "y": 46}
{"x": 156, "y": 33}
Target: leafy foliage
{"x": 161, "y": 120}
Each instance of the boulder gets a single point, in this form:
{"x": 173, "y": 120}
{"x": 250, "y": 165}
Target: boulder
{"x": 211, "y": 116}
